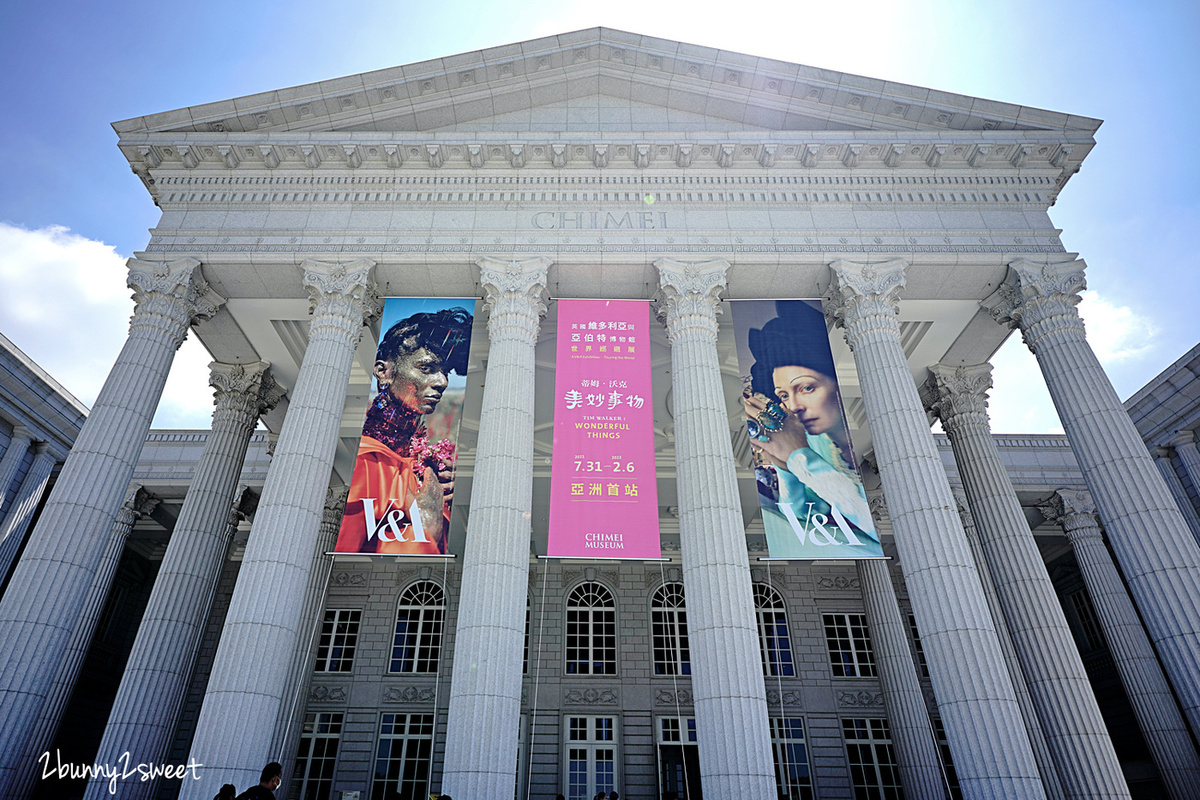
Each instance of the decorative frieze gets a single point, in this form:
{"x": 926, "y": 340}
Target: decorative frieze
{"x": 590, "y": 697}
{"x": 860, "y": 699}
{"x": 409, "y": 694}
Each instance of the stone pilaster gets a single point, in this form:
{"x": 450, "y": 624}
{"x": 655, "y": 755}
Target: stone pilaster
{"x": 727, "y": 684}
{"x": 1184, "y": 443}
{"x": 1033, "y": 728}
{"x": 977, "y": 702}
{"x": 485, "y": 697}
{"x": 146, "y": 709}
{"x": 1162, "y": 460}
{"x": 48, "y": 590}
{"x": 16, "y": 522}
{"x": 1158, "y": 716}
{"x": 253, "y": 661}
{"x": 912, "y": 738}
{"x": 18, "y": 446}
{"x": 291, "y": 712}
{"x": 138, "y": 503}
{"x": 1062, "y": 696}
{"x": 1149, "y": 536}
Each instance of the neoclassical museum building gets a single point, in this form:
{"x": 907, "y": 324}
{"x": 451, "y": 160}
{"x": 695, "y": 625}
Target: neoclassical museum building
{"x": 1034, "y": 631}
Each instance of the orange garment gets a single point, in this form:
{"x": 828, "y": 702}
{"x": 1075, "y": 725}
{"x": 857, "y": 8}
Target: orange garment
{"x": 382, "y": 474}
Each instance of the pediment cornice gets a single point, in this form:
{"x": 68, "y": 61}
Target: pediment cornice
{"x": 741, "y": 89}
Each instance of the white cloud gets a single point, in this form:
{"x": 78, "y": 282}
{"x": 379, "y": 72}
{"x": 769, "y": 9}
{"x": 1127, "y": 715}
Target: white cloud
{"x": 1019, "y": 401}
{"x": 1116, "y": 333}
{"x": 64, "y": 302}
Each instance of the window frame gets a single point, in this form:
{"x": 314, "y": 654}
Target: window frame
{"x": 673, "y": 642}
{"x": 782, "y": 742}
{"x": 379, "y": 787}
{"x": 877, "y": 742}
{"x": 431, "y": 626}
{"x": 302, "y": 775}
{"x": 349, "y": 641}
{"x": 770, "y": 642}
{"x": 856, "y": 657}
{"x": 583, "y": 640}
{"x": 591, "y": 745}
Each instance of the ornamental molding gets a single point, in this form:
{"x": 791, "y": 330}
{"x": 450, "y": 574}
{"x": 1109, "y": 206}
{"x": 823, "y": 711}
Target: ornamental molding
{"x": 590, "y": 697}
{"x": 327, "y": 694}
{"x": 158, "y": 155}
{"x": 665, "y": 697}
{"x": 408, "y": 694}
{"x": 348, "y": 579}
{"x": 953, "y": 392}
{"x": 789, "y": 698}
{"x": 861, "y": 699}
{"x": 839, "y": 583}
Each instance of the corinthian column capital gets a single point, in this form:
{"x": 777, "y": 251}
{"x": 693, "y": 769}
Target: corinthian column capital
{"x": 958, "y": 395}
{"x": 514, "y": 296}
{"x": 138, "y": 503}
{"x": 1032, "y": 295}
{"x": 172, "y": 295}
{"x": 688, "y": 295}
{"x": 1074, "y": 510}
{"x": 862, "y": 292}
{"x": 249, "y": 389}
{"x": 1182, "y": 438}
{"x": 341, "y": 290}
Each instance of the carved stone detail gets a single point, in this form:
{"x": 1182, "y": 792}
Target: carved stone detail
{"x": 246, "y": 389}
{"x": 348, "y": 579}
{"x": 342, "y": 291}
{"x": 789, "y": 698}
{"x": 590, "y": 697}
{"x": 689, "y": 294}
{"x": 958, "y": 395}
{"x": 865, "y": 296}
{"x": 839, "y": 583}
{"x": 1040, "y": 299}
{"x": 408, "y": 694}
{"x": 664, "y": 697}
{"x": 861, "y": 699}
{"x": 172, "y": 295}
{"x": 327, "y": 694}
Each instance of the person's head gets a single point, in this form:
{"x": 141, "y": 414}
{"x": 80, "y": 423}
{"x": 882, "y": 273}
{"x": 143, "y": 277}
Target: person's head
{"x": 793, "y": 365}
{"x": 613, "y": 795}
{"x": 272, "y": 776}
{"x": 228, "y": 792}
{"x": 418, "y": 352}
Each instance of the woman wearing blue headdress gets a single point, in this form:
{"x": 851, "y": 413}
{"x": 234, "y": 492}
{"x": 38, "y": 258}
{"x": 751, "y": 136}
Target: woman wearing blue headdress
{"x": 798, "y": 432}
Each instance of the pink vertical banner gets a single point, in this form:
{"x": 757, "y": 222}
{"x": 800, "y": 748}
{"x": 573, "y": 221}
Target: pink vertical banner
{"x": 603, "y": 491}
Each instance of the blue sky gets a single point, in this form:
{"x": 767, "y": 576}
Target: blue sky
{"x": 71, "y": 211}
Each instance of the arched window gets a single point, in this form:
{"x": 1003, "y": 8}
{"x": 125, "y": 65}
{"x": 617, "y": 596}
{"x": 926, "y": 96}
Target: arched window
{"x": 419, "y": 619}
{"x": 591, "y": 631}
{"x": 774, "y": 641}
{"x": 668, "y": 625}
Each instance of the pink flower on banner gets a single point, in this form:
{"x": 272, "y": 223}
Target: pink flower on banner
{"x": 440, "y": 455}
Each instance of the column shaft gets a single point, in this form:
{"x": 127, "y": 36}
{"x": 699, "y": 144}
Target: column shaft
{"x": 12, "y": 532}
{"x": 485, "y": 691}
{"x": 1185, "y": 446}
{"x": 732, "y": 730}
{"x": 291, "y": 711}
{"x": 1054, "y": 673}
{"x": 1149, "y": 536}
{"x": 138, "y": 503}
{"x": 48, "y": 590}
{"x": 1162, "y": 460}
{"x": 1158, "y": 716}
{"x": 251, "y": 668}
{"x": 912, "y": 737}
{"x": 18, "y": 446}
{"x": 975, "y": 696}
{"x": 1033, "y": 728}
{"x": 146, "y": 709}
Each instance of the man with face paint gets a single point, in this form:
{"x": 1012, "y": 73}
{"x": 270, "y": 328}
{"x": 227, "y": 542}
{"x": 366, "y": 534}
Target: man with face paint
{"x": 396, "y": 503}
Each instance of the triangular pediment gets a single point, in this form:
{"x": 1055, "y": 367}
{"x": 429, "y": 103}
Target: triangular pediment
{"x": 604, "y": 80}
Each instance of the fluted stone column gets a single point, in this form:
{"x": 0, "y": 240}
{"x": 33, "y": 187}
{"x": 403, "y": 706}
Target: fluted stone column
{"x": 1033, "y": 728}
{"x": 1184, "y": 443}
{"x": 291, "y": 711}
{"x": 1062, "y": 695}
{"x": 976, "y": 698}
{"x": 146, "y": 709}
{"x": 253, "y": 661}
{"x": 16, "y": 522}
{"x": 138, "y": 503}
{"x": 54, "y": 576}
{"x": 1162, "y": 460}
{"x": 727, "y": 683}
{"x": 1158, "y": 716}
{"x": 1149, "y": 536}
{"x": 10, "y": 462}
{"x": 485, "y": 697}
{"x": 912, "y": 738}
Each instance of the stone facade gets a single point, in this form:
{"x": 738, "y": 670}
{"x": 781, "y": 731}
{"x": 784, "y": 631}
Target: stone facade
{"x": 602, "y": 164}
